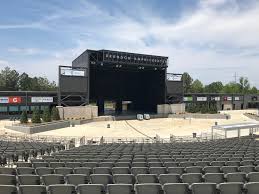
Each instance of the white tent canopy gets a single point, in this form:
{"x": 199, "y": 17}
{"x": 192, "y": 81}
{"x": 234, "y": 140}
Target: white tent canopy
{"x": 235, "y": 127}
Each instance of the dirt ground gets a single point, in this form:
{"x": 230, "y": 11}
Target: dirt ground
{"x": 163, "y": 127}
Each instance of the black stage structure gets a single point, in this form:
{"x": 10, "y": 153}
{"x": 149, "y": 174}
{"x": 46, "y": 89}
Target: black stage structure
{"x": 104, "y": 75}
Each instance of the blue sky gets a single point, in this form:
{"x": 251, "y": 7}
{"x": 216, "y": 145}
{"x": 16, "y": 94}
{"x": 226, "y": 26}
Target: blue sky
{"x": 210, "y": 39}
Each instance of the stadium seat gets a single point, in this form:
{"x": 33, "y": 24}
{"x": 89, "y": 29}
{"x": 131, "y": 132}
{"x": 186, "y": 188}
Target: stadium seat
{"x": 90, "y": 164}
{"x": 64, "y": 170}
{"x": 44, "y": 170}
{"x": 25, "y": 170}
{"x": 73, "y": 164}
{"x": 247, "y": 169}
{"x": 252, "y": 188}
{"x": 51, "y": 179}
{"x": 91, "y": 189}
{"x": 230, "y": 188}
{"x": 23, "y": 164}
{"x": 104, "y": 179}
{"x": 56, "y": 164}
{"x": 7, "y": 179}
{"x": 151, "y": 188}
{"x": 8, "y": 189}
{"x": 176, "y": 170}
{"x": 139, "y": 164}
{"x": 120, "y": 170}
{"x": 229, "y": 169}
{"x": 120, "y": 189}
{"x": 29, "y": 179}
{"x": 253, "y": 177}
{"x": 211, "y": 169}
{"x": 61, "y": 189}
{"x": 171, "y": 164}
{"x": 102, "y": 170}
{"x": 192, "y": 178}
{"x": 202, "y": 163}
{"x": 106, "y": 164}
{"x": 176, "y": 188}
{"x": 5, "y": 170}
{"x": 40, "y": 164}
{"x": 124, "y": 179}
{"x": 217, "y": 163}
{"x": 157, "y": 170}
{"x": 203, "y": 188}
{"x": 76, "y": 179}
{"x": 83, "y": 170}
{"x": 32, "y": 189}
{"x": 146, "y": 178}
{"x": 169, "y": 178}
{"x": 236, "y": 177}
{"x": 193, "y": 169}
{"x": 214, "y": 178}
{"x": 123, "y": 164}
{"x": 139, "y": 170}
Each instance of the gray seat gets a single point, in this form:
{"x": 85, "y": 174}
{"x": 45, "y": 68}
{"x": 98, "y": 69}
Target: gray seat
{"x": 29, "y": 179}
{"x": 73, "y": 164}
{"x": 214, "y": 178}
{"x": 62, "y": 189}
{"x": 171, "y": 164}
{"x": 192, "y": 178}
{"x": 25, "y": 170}
{"x": 104, "y": 179}
{"x": 83, "y": 170}
{"x": 139, "y": 170}
{"x": 40, "y": 164}
{"x": 230, "y": 188}
{"x": 157, "y": 170}
{"x": 8, "y": 189}
{"x": 146, "y": 178}
{"x": 44, "y": 170}
{"x": 7, "y": 179}
{"x": 51, "y": 179}
{"x": 229, "y": 169}
{"x": 32, "y": 189}
{"x": 193, "y": 169}
{"x": 23, "y": 164}
{"x": 139, "y": 164}
{"x": 204, "y": 188}
{"x": 247, "y": 163}
{"x": 150, "y": 188}
{"x": 64, "y": 171}
{"x": 252, "y": 188}
{"x": 236, "y": 177}
{"x": 217, "y": 163}
{"x": 202, "y": 163}
{"x": 120, "y": 170}
{"x": 5, "y": 170}
{"x": 186, "y": 164}
{"x": 76, "y": 179}
{"x": 247, "y": 169}
{"x": 176, "y": 170}
{"x": 56, "y": 164}
{"x": 106, "y": 164}
{"x": 124, "y": 179}
{"x": 211, "y": 169}
{"x": 253, "y": 177}
{"x": 169, "y": 178}
{"x": 123, "y": 164}
{"x": 90, "y": 164}
{"x": 102, "y": 170}
{"x": 120, "y": 189}
{"x": 233, "y": 163}
{"x": 155, "y": 164}
{"x": 91, "y": 189}
{"x": 176, "y": 188}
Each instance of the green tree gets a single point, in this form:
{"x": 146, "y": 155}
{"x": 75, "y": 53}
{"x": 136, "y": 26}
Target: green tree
{"x": 253, "y": 90}
{"x": 36, "y": 117}
{"x": 214, "y": 87}
{"x": 197, "y": 86}
{"x": 46, "y": 117}
{"x": 231, "y": 88}
{"x": 9, "y": 79}
{"x": 187, "y": 82}
{"x": 244, "y": 85}
{"x": 55, "y": 114}
{"x": 25, "y": 82}
{"x": 24, "y": 117}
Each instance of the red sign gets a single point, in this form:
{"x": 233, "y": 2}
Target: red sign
{"x": 15, "y": 100}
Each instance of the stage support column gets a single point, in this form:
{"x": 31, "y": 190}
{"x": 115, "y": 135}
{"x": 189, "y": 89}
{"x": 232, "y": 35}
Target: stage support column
{"x": 118, "y": 107}
{"x": 100, "y": 104}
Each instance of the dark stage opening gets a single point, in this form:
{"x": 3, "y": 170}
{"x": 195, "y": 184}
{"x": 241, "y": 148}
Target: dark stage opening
{"x": 145, "y": 88}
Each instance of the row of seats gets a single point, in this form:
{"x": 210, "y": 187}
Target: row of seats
{"x": 166, "y": 163}
{"x": 127, "y": 170}
{"x": 105, "y": 179}
{"x": 170, "y": 188}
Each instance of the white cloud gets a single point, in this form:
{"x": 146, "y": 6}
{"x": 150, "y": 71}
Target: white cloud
{"x": 24, "y": 51}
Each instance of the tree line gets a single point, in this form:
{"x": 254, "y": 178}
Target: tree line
{"x": 242, "y": 86}
{"x": 12, "y": 80}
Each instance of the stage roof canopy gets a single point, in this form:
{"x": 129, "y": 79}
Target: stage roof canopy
{"x": 237, "y": 126}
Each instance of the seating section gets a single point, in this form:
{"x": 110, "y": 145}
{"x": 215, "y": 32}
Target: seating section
{"x": 212, "y": 167}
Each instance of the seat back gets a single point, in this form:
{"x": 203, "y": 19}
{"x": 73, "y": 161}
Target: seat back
{"x": 150, "y": 188}
{"x": 233, "y": 188}
{"x": 29, "y": 179}
{"x": 7, "y": 179}
{"x": 176, "y": 188}
{"x": 147, "y": 178}
{"x": 204, "y": 188}
{"x": 61, "y": 189}
{"x": 120, "y": 189}
{"x": 8, "y": 189}
{"x": 32, "y": 189}
{"x": 76, "y": 179}
{"x": 51, "y": 179}
{"x": 91, "y": 189}
{"x": 124, "y": 179}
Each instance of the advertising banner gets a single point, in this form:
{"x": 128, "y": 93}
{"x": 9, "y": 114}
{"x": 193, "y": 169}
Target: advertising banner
{"x": 40, "y": 99}
{"x": 187, "y": 99}
{"x": 201, "y": 99}
{"x": 10, "y": 100}
{"x": 217, "y": 98}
